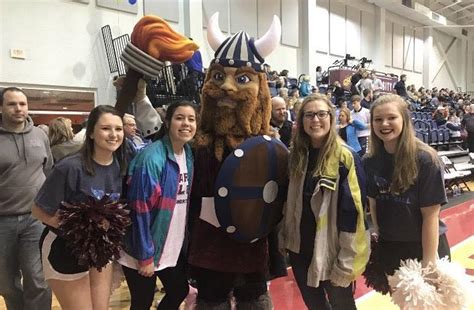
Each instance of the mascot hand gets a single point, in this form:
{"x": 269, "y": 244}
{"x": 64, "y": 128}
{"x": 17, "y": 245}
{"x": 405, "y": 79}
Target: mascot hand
{"x": 141, "y": 91}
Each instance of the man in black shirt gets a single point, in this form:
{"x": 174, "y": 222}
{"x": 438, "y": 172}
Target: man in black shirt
{"x": 279, "y": 120}
{"x": 400, "y": 86}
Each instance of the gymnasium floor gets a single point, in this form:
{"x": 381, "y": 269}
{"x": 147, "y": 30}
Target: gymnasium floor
{"x": 458, "y": 215}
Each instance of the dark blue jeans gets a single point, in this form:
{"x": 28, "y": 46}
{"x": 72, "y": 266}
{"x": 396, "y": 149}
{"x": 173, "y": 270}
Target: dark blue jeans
{"x": 20, "y": 258}
{"x": 326, "y": 296}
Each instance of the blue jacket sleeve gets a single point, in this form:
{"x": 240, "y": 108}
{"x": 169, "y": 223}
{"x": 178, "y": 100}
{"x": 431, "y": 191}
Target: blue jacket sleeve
{"x": 144, "y": 193}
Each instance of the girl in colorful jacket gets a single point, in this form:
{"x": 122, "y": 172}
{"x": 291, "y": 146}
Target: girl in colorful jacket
{"x": 159, "y": 183}
{"x": 324, "y": 225}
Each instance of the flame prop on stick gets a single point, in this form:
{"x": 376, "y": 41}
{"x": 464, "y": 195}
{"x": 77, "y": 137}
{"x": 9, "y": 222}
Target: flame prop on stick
{"x": 153, "y": 42}
{"x": 94, "y": 230}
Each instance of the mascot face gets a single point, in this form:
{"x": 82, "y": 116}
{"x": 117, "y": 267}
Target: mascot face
{"x": 235, "y": 98}
{"x": 235, "y": 105}
{"x": 230, "y": 97}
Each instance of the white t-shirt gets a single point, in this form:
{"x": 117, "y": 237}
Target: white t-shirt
{"x": 174, "y": 240}
{"x": 364, "y": 116}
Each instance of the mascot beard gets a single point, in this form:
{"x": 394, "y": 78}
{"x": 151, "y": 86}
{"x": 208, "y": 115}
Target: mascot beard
{"x": 229, "y": 125}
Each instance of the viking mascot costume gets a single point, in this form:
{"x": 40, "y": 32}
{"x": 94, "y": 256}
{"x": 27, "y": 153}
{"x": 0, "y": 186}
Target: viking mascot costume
{"x": 240, "y": 174}
{"x": 240, "y": 178}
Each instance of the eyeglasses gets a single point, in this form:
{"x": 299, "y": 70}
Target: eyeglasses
{"x": 320, "y": 114}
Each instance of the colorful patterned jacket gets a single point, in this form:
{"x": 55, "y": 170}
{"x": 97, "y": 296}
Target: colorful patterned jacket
{"x": 153, "y": 179}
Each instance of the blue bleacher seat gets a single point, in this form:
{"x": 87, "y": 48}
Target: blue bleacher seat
{"x": 433, "y": 137}
{"x": 419, "y": 135}
{"x": 446, "y": 135}
{"x": 418, "y": 125}
{"x": 441, "y": 137}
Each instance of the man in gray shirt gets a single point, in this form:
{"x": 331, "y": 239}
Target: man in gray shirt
{"x": 25, "y": 157}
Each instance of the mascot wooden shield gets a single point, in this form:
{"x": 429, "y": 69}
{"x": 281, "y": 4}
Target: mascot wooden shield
{"x": 251, "y": 188}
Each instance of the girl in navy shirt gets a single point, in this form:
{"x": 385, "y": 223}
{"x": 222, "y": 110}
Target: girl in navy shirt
{"x": 405, "y": 188}
{"x": 94, "y": 172}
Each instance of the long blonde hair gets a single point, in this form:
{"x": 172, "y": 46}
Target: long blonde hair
{"x": 405, "y": 164}
{"x": 302, "y": 142}
{"x": 60, "y": 131}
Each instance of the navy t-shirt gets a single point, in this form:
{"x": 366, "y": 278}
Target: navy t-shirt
{"x": 399, "y": 215}
{"x": 308, "y": 220}
{"x": 69, "y": 182}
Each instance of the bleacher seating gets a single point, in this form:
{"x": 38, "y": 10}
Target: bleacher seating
{"x": 429, "y": 132}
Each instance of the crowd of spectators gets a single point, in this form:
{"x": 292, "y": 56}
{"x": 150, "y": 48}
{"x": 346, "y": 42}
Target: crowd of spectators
{"x": 448, "y": 109}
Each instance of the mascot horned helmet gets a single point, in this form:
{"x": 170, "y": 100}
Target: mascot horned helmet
{"x": 236, "y": 102}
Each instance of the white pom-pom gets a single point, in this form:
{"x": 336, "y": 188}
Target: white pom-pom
{"x": 453, "y": 284}
{"x": 441, "y": 287}
{"x": 410, "y": 290}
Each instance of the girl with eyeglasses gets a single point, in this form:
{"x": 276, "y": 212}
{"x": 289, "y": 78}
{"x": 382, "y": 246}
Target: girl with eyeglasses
{"x": 324, "y": 226}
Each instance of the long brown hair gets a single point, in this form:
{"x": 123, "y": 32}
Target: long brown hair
{"x": 87, "y": 150}
{"x": 405, "y": 164}
{"x": 302, "y": 142}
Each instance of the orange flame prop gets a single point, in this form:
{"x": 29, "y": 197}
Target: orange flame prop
{"x": 155, "y": 37}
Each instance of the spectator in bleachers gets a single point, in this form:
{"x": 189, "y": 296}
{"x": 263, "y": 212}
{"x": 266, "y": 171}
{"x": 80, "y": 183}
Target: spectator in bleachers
{"x": 440, "y": 116}
{"x": 468, "y": 124}
{"x": 434, "y": 99}
{"x": 338, "y": 91}
{"x": 61, "y": 138}
{"x": 134, "y": 141}
{"x": 348, "y": 127}
{"x": 80, "y": 136}
{"x": 279, "y": 121}
{"x": 361, "y": 114}
{"x": 454, "y": 126}
{"x": 411, "y": 91}
{"x": 319, "y": 75}
{"x": 367, "y": 100}
{"x": 355, "y": 78}
{"x": 305, "y": 86}
{"x": 283, "y": 92}
{"x": 281, "y": 83}
{"x": 364, "y": 83}
{"x": 400, "y": 87}
{"x": 377, "y": 85}
{"x": 294, "y": 93}
{"x": 340, "y": 104}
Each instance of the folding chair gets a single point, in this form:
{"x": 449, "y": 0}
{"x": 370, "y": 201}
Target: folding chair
{"x": 454, "y": 177}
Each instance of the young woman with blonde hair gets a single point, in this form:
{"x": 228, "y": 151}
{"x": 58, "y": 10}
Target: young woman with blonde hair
{"x": 405, "y": 188}
{"x": 61, "y": 138}
{"x": 348, "y": 127}
{"x": 324, "y": 226}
